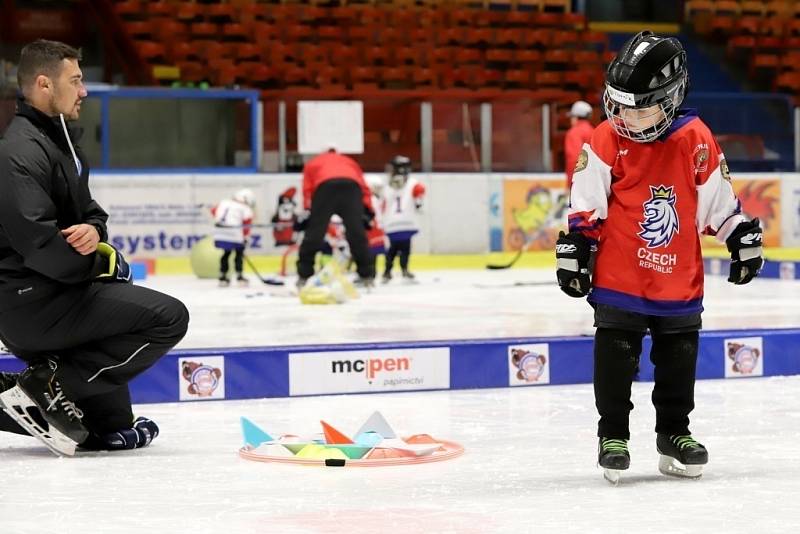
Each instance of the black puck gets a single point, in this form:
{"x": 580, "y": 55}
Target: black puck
{"x": 334, "y": 462}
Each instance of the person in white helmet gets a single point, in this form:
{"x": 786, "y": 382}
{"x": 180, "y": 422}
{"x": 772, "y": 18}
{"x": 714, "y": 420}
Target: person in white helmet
{"x": 580, "y": 132}
{"x": 233, "y": 219}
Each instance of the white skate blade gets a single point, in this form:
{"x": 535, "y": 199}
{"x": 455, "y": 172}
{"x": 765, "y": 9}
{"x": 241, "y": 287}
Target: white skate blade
{"x": 612, "y": 475}
{"x": 671, "y": 467}
{"x": 17, "y": 405}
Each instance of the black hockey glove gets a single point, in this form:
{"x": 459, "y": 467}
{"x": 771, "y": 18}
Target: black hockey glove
{"x": 117, "y": 269}
{"x": 139, "y": 435}
{"x": 744, "y": 244}
{"x": 368, "y": 217}
{"x": 573, "y": 258}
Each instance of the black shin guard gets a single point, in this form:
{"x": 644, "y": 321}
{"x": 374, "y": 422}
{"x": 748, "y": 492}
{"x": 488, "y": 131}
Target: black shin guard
{"x": 616, "y": 361}
{"x": 675, "y": 360}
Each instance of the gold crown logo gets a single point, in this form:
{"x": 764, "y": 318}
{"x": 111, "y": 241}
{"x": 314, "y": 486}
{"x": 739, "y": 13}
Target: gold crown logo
{"x": 661, "y": 192}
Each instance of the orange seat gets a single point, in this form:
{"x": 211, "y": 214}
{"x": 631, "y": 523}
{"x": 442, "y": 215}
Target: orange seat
{"x": 739, "y": 45}
{"x": 128, "y": 9}
{"x": 395, "y": 78}
{"x": 788, "y": 82}
{"x": 299, "y": 33}
{"x": 528, "y": 57}
{"x": 747, "y": 25}
{"x": 517, "y": 78}
{"x": 330, "y": 33}
{"x": 192, "y": 71}
{"x": 478, "y": 36}
{"x": 139, "y": 29}
{"x": 248, "y": 51}
{"x": 424, "y": 77}
{"x": 296, "y": 76}
{"x": 450, "y": 36}
{"x": 511, "y": 37}
{"x": 203, "y": 30}
{"x": 548, "y": 79}
{"x": 586, "y": 59}
{"x": 151, "y": 51}
{"x": 376, "y": 55}
{"x": 468, "y": 56}
{"x": 538, "y": 38}
{"x": 264, "y": 33}
{"x": 158, "y": 9}
{"x": 235, "y": 32}
{"x": 189, "y": 12}
{"x": 557, "y": 59}
{"x": 499, "y": 56}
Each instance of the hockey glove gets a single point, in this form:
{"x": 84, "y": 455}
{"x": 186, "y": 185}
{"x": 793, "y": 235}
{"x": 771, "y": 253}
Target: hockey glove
{"x": 573, "y": 258}
{"x": 368, "y": 217}
{"x": 301, "y": 221}
{"x": 139, "y": 435}
{"x": 117, "y": 269}
{"x": 744, "y": 244}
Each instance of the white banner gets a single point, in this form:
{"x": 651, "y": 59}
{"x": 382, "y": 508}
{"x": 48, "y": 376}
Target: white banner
{"x": 316, "y": 373}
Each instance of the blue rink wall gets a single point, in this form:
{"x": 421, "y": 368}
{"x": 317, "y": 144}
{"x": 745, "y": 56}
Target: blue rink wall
{"x": 249, "y": 373}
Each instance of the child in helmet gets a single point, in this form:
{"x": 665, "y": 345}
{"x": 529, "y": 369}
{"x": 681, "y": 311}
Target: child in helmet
{"x": 233, "y": 219}
{"x": 652, "y": 178}
{"x": 402, "y": 198}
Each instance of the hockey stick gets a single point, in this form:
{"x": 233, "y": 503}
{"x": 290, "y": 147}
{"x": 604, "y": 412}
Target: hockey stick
{"x": 266, "y": 281}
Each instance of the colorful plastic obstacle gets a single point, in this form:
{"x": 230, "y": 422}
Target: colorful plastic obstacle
{"x": 375, "y": 444}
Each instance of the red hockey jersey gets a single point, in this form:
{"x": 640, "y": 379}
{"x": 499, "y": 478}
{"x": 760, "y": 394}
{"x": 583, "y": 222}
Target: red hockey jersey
{"x": 644, "y": 205}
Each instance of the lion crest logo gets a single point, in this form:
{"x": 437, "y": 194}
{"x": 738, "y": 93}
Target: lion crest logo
{"x": 660, "y": 217}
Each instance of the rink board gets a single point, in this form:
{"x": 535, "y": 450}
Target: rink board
{"x": 258, "y": 372}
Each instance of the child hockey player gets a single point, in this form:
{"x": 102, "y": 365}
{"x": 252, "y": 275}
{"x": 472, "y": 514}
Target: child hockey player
{"x": 651, "y": 179}
{"x": 233, "y": 219}
{"x": 401, "y": 199}
{"x": 285, "y": 219}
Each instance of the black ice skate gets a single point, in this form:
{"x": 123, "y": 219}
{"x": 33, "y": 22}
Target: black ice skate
{"x": 681, "y": 456}
{"x": 364, "y": 282}
{"x": 242, "y": 281}
{"x": 613, "y": 457}
{"x": 38, "y": 404}
{"x": 224, "y": 282}
{"x": 387, "y": 277}
{"x": 409, "y": 277}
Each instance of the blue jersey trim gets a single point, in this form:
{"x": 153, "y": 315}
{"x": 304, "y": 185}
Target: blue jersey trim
{"x": 403, "y": 235}
{"x": 684, "y": 117}
{"x": 645, "y": 306}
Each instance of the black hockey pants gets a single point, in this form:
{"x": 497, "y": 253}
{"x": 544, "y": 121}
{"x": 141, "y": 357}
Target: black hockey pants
{"x": 401, "y": 247}
{"x": 102, "y": 335}
{"x": 342, "y": 197}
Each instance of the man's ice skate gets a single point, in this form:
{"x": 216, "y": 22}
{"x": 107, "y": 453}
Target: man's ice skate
{"x": 681, "y": 456}
{"x": 613, "y": 457}
{"x": 38, "y": 404}
{"x": 242, "y": 281}
{"x": 223, "y": 281}
{"x": 387, "y": 277}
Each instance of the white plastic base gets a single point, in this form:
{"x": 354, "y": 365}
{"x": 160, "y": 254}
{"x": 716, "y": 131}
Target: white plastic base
{"x": 18, "y": 406}
{"x": 672, "y": 467}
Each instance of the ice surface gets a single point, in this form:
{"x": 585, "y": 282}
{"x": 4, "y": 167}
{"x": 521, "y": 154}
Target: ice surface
{"x": 530, "y": 461}
{"x": 529, "y": 466}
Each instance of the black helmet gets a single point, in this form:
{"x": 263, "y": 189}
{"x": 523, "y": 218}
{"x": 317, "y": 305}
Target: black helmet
{"x": 399, "y": 169}
{"x": 645, "y": 85}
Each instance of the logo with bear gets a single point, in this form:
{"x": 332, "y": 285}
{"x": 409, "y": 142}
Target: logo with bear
{"x": 528, "y": 365}
{"x": 204, "y": 379}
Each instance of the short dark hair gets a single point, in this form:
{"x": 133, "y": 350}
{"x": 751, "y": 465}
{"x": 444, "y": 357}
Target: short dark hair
{"x": 42, "y": 57}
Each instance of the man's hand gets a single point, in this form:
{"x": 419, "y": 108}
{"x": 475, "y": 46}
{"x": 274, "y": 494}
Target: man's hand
{"x": 82, "y": 237}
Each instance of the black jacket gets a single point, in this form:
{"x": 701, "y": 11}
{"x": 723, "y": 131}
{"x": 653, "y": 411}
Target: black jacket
{"x": 41, "y": 193}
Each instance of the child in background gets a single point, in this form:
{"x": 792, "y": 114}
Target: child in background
{"x": 402, "y": 198}
{"x": 233, "y": 219}
{"x": 376, "y": 237}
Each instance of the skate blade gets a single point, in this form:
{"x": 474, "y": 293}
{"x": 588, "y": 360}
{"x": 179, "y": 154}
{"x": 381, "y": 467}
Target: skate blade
{"x": 612, "y": 475}
{"x": 671, "y": 467}
{"x": 17, "y": 405}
